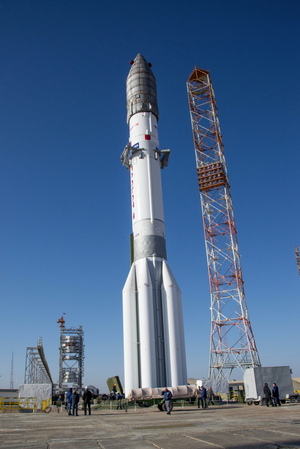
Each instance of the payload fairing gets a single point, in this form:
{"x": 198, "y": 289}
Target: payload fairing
{"x": 154, "y": 348}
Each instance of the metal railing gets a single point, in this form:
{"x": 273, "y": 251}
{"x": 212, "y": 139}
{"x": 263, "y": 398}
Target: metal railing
{"x": 16, "y": 404}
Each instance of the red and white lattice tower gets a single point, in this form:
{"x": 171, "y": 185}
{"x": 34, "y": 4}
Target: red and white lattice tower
{"x": 232, "y": 343}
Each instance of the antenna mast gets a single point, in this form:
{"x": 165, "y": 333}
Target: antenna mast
{"x": 232, "y": 343}
{"x": 297, "y": 254}
{"x": 12, "y": 372}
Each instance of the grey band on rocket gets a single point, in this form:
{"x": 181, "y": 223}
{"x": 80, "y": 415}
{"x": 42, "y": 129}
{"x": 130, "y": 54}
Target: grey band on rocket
{"x": 150, "y": 245}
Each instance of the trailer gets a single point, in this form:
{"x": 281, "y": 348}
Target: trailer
{"x": 255, "y": 379}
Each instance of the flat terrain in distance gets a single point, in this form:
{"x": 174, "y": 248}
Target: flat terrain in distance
{"x": 224, "y": 427}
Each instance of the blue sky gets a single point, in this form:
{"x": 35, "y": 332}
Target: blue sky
{"x": 64, "y": 194}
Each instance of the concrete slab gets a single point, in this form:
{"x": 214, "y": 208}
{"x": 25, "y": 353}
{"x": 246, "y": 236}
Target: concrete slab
{"x": 23, "y": 445}
{"x": 223, "y": 427}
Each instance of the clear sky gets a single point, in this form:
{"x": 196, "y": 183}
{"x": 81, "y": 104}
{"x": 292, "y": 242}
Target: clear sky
{"x": 64, "y": 194}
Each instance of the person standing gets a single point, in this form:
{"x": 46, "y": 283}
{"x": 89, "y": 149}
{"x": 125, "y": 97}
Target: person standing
{"x": 167, "y": 397}
{"x": 59, "y": 404}
{"x": 69, "y": 401}
{"x": 275, "y": 394}
{"x": 199, "y": 395}
{"x": 87, "y": 397}
{"x": 268, "y": 396}
{"x": 203, "y": 397}
{"x": 75, "y": 401}
{"x": 210, "y": 396}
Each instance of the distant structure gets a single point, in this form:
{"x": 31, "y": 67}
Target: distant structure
{"x": 36, "y": 367}
{"x": 71, "y": 356}
{"x": 297, "y": 253}
{"x": 12, "y": 372}
{"x": 232, "y": 343}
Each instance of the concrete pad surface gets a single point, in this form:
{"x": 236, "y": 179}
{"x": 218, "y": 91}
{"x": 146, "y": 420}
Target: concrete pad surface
{"x": 237, "y": 426}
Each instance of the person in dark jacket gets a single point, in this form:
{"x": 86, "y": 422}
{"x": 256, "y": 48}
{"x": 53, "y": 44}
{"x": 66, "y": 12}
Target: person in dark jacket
{"x": 275, "y": 394}
{"x": 268, "y": 396}
{"x": 167, "y": 397}
{"x": 203, "y": 397}
{"x": 75, "y": 401}
{"x": 87, "y": 397}
{"x": 69, "y": 401}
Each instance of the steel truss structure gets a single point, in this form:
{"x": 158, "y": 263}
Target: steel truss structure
{"x": 36, "y": 367}
{"x": 71, "y": 356}
{"x": 232, "y": 343}
{"x": 297, "y": 254}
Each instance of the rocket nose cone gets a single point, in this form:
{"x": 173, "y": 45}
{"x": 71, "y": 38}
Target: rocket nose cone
{"x": 141, "y": 62}
{"x": 141, "y": 88}
{"x": 139, "y": 57}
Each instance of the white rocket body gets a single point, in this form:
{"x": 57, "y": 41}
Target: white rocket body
{"x": 154, "y": 348}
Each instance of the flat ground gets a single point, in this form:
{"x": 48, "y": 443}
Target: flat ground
{"x": 226, "y": 426}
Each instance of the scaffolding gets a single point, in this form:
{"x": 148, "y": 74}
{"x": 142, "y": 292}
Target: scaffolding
{"x": 297, "y": 254}
{"x": 71, "y": 356}
{"x": 36, "y": 367}
{"x": 232, "y": 343}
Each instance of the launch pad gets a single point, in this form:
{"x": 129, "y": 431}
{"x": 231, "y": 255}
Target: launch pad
{"x": 224, "y": 427}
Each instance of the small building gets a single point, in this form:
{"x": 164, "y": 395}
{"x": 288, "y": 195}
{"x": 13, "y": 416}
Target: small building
{"x": 9, "y": 392}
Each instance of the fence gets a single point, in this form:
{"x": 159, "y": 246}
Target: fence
{"x": 15, "y": 404}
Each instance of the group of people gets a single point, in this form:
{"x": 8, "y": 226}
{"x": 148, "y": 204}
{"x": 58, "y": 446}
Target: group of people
{"x": 204, "y": 397}
{"x": 73, "y": 401}
{"x": 274, "y": 394}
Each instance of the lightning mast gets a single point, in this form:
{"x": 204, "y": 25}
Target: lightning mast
{"x": 232, "y": 343}
{"x": 297, "y": 254}
{"x": 12, "y": 372}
